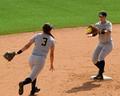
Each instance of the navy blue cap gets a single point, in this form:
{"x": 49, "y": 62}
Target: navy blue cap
{"x": 103, "y": 13}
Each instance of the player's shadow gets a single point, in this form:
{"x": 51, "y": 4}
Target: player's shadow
{"x": 84, "y": 87}
{"x": 33, "y": 95}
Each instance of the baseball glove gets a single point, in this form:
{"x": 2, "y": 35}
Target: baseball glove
{"x": 9, "y": 55}
{"x": 92, "y": 30}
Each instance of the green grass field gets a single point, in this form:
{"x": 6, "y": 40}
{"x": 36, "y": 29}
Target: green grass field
{"x": 29, "y": 15}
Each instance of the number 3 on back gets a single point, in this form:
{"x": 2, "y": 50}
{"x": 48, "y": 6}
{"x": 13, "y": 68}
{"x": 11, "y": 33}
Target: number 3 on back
{"x": 44, "y": 42}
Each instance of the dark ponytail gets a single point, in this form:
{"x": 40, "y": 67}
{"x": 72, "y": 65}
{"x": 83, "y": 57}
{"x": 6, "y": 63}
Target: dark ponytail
{"x": 50, "y": 35}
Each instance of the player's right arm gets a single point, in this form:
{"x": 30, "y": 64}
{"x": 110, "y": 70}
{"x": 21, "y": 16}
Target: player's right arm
{"x": 108, "y": 29}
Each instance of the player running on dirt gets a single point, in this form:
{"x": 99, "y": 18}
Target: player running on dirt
{"x": 43, "y": 43}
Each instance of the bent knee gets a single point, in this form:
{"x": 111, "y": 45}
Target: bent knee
{"x": 94, "y": 60}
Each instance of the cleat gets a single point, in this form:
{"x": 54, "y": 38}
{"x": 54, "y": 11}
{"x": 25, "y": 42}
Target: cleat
{"x": 21, "y": 90}
{"x": 98, "y": 77}
{"x": 36, "y": 90}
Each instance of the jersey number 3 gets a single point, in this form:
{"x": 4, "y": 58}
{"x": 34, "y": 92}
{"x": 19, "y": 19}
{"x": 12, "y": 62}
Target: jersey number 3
{"x": 44, "y": 42}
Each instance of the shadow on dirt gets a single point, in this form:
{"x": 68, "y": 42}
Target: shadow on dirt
{"x": 84, "y": 87}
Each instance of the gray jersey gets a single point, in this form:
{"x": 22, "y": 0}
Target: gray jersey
{"x": 104, "y": 38}
{"x": 43, "y": 43}
{"x": 104, "y": 46}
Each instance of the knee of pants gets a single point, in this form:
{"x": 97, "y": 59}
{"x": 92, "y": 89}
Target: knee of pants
{"x": 36, "y": 70}
{"x": 94, "y": 60}
{"x": 102, "y": 55}
{"x": 101, "y": 58}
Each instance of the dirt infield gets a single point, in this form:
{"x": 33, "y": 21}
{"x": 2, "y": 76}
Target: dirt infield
{"x": 72, "y": 63}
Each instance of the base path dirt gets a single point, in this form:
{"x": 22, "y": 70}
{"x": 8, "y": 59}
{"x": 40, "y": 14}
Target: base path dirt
{"x": 73, "y": 65}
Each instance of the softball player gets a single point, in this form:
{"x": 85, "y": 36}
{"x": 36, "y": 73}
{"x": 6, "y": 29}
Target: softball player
{"x": 43, "y": 42}
{"x": 104, "y": 46}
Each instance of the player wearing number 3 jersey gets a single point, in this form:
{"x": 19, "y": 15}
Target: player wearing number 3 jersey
{"x": 43, "y": 42}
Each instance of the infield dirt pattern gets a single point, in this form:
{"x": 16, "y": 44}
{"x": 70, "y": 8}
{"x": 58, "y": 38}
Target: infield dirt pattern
{"x": 73, "y": 66}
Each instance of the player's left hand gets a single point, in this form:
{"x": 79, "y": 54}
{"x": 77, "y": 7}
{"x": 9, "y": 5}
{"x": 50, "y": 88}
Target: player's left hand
{"x": 9, "y": 55}
{"x": 92, "y": 31}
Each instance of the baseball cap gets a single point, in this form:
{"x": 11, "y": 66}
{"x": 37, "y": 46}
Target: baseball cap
{"x": 102, "y": 13}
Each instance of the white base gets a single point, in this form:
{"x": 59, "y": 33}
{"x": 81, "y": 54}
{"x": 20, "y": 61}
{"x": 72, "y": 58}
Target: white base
{"x": 104, "y": 77}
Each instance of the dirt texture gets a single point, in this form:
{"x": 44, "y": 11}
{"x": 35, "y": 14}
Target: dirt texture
{"x": 73, "y": 65}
